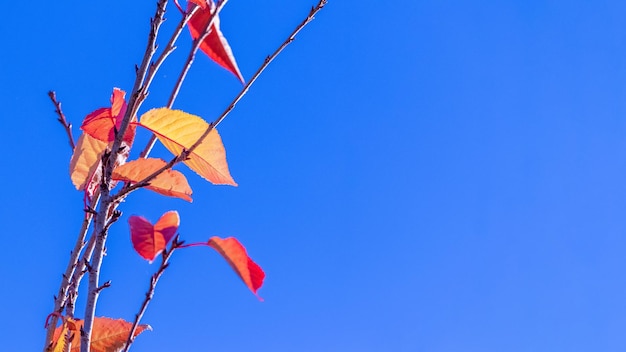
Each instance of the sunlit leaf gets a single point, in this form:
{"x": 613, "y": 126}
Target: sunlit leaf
{"x": 148, "y": 240}
{"x": 102, "y": 123}
{"x": 236, "y": 255}
{"x": 170, "y": 182}
{"x": 177, "y": 130}
{"x": 215, "y": 44}
{"x": 60, "y": 337}
{"x": 107, "y": 334}
{"x": 85, "y": 163}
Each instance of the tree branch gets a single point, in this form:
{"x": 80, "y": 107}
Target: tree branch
{"x": 62, "y": 295}
{"x": 108, "y": 204}
{"x": 165, "y": 256}
{"x": 185, "y": 153}
{"x": 66, "y": 125}
{"x": 153, "y": 68}
{"x": 268, "y": 60}
{"x": 190, "y": 58}
{"x": 82, "y": 268}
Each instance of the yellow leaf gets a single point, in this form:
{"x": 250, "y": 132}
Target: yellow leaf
{"x": 177, "y": 130}
{"x": 85, "y": 162}
{"x": 169, "y": 183}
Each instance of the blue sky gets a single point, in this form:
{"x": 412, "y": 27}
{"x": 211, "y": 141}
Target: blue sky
{"x": 413, "y": 176}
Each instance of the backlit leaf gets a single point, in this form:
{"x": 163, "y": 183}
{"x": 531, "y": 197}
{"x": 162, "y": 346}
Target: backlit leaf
{"x": 107, "y": 334}
{"x": 60, "y": 337}
{"x": 215, "y": 44}
{"x": 85, "y": 162}
{"x": 102, "y": 123}
{"x": 236, "y": 255}
{"x": 177, "y": 130}
{"x": 148, "y": 240}
{"x": 170, "y": 182}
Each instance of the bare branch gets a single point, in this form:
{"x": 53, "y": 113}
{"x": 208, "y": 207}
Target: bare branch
{"x": 185, "y": 153}
{"x": 190, "y": 59}
{"x": 289, "y": 40}
{"x": 66, "y": 125}
{"x": 80, "y": 271}
{"x": 108, "y": 204}
{"x": 154, "y": 67}
{"x": 62, "y": 295}
{"x": 165, "y": 256}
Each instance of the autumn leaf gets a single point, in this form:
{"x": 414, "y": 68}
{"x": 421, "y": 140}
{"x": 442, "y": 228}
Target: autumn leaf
{"x": 236, "y": 255}
{"x": 169, "y": 183}
{"x": 102, "y": 123}
{"x": 201, "y": 3}
{"x": 177, "y": 130}
{"x": 215, "y": 44}
{"x": 107, "y": 334}
{"x": 60, "y": 337}
{"x": 85, "y": 162}
{"x": 148, "y": 240}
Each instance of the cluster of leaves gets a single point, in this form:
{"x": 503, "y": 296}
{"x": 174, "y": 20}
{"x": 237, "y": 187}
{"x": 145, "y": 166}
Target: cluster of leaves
{"x": 99, "y": 164}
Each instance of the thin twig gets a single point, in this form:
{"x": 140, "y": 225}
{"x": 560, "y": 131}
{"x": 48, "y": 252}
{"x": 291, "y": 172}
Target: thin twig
{"x": 154, "y": 67}
{"x": 108, "y": 204}
{"x": 186, "y": 152}
{"x": 62, "y": 295}
{"x": 181, "y": 78}
{"x": 194, "y": 49}
{"x": 289, "y": 40}
{"x": 165, "y": 256}
{"x": 66, "y": 125}
{"x": 78, "y": 276}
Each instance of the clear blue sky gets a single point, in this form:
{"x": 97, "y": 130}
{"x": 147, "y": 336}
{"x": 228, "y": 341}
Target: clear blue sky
{"x": 414, "y": 176}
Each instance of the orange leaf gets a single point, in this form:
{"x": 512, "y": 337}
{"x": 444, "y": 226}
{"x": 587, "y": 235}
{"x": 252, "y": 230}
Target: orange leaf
{"x": 102, "y": 123}
{"x": 60, "y": 338}
{"x": 177, "y": 130}
{"x": 85, "y": 162}
{"x": 150, "y": 240}
{"x": 169, "y": 183}
{"x": 236, "y": 255}
{"x": 215, "y": 44}
{"x": 107, "y": 334}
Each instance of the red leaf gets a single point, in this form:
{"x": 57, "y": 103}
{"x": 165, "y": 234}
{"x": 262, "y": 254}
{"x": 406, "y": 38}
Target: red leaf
{"x": 201, "y": 3}
{"x": 236, "y": 255}
{"x": 215, "y": 44}
{"x": 102, "y": 123}
{"x": 149, "y": 241}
